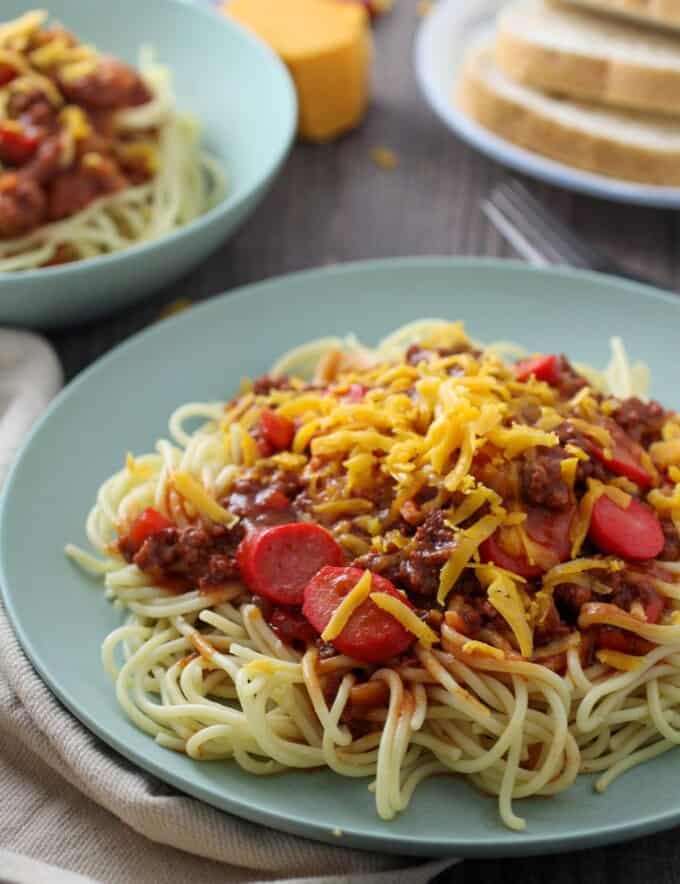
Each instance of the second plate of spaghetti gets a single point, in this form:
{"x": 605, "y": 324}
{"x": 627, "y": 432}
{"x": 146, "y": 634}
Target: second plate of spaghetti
{"x": 438, "y": 570}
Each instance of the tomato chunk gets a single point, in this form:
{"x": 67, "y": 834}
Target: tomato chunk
{"x": 7, "y": 73}
{"x": 626, "y": 459}
{"x": 549, "y": 531}
{"x": 543, "y": 368}
{"x": 634, "y": 533}
{"x": 149, "y": 522}
{"x": 278, "y": 562}
{"x": 278, "y": 431}
{"x": 371, "y": 634}
{"x": 16, "y": 146}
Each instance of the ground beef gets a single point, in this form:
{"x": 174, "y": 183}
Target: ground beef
{"x": 22, "y": 205}
{"x": 587, "y": 469}
{"x": 569, "y": 599}
{"x": 569, "y": 381}
{"x": 73, "y": 190}
{"x": 550, "y": 628}
{"x": 33, "y": 108}
{"x": 420, "y": 570}
{"x": 417, "y": 571}
{"x": 264, "y": 385}
{"x": 642, "y": 421}
{"x": 111, "y": 85}
{"x": 416, "y": 353}
{"x": 541, "y": 479}
{"x": 187, "y": 558}
{"x": 671, "y": 549}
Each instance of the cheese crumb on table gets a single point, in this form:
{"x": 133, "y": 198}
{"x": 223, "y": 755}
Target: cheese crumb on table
{"x": 385, "y": 158}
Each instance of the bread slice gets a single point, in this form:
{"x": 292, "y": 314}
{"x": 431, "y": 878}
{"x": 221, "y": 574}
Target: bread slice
{"x": 575, "y": 53}
{"x": 619, "y": 144}
{"x": 660, "y": 13}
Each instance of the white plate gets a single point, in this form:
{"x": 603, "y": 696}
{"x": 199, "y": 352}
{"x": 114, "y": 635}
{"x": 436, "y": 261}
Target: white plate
{"x": 441, "y": 44}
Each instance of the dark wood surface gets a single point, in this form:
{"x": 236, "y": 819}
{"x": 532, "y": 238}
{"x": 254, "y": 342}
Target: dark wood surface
{"x": 331, "y": 204}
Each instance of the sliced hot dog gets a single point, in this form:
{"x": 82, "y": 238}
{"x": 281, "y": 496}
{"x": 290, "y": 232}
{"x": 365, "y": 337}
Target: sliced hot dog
{"x": 548, "y": 529}
{"x": 633, "y": 533}
{"x": 626, "y": 457}
{"x": 278, "y": 562}
{"x": 371, "y": 634}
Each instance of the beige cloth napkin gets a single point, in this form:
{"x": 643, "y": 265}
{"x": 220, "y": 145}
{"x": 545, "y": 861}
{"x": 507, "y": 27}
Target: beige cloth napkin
{"x": 72, "y": 811}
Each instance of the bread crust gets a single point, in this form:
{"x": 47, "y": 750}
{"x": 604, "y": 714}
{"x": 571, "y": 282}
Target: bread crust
{"x": 567, "y": 143}
{"x": 661, "y": 13}
{"x": 609, "y": 81}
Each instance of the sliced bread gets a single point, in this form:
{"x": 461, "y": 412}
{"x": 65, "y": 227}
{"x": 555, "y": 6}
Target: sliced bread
{"x": 660, "y": 13}
{"x": 620, "y": 144}
{"x": 570, "y": 52}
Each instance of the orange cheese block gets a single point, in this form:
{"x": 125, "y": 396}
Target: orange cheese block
{"x": 327, "y": 48}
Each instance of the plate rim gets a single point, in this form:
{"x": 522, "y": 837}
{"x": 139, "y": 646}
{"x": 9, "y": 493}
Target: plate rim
{"x": 522, "y": 844}
{"x": 505, "y": 152}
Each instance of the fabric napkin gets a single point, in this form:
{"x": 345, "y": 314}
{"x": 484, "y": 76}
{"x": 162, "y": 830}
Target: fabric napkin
{"x": 73, "y": 811}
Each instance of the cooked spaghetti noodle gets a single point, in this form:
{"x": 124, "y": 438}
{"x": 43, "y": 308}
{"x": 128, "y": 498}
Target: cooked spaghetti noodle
{"x": 94, "y": 157}
{"x": 426, "y": 560}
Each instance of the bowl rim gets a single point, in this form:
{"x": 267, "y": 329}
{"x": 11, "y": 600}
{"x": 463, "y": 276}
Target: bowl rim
{"x": 227, "y": 204}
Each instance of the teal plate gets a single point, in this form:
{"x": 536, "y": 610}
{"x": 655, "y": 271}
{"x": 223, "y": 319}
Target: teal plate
{"x": 122, "y": 404}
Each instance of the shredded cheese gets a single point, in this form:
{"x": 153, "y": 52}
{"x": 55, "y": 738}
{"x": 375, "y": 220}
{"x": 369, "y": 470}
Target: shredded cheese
{"x": 357, "y": 596}
{"x": 195, "y": 493}
{"x": 467, "y": 544}
{"x": 482, "y": 649}
{"x": 408, "y": 619}
{"x": 506, "y": 599}
{"x": 620, "y": 661}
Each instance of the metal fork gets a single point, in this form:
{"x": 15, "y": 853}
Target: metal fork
{"x": 541, "y": 237}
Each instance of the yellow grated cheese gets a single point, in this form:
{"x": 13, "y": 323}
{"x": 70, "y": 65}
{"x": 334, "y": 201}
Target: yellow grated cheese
{"x": 518, "y": 438}
{"x": 666, "y": 453}
{"x": 408, "y": 619}
{"x": 249, "y": 450}
{"x": 592, "y": 431}
{"x": 506, "y": 599}
{"x": 581, "y": 523}
{"x": 568, "y": 468}
{"x": 359, "y": 470}
{"x": 576, "y": 452}
{"x": 195, "y": 493}
{"x": 482, "y": 649}
{"x": 356, "y": 597}
{"x": 23, "y": 26}
{"x": 566, "y": 572}
{"x": 617, "y": 660}
{"x": 467, "y": 544}
{"x": 665, "y": 503}
{"x": 141, "y": 471}
{"x": 618, "y": 496}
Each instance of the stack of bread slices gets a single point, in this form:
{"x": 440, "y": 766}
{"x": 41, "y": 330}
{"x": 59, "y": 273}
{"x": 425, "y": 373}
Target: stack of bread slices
{"x": 594, "y": 84}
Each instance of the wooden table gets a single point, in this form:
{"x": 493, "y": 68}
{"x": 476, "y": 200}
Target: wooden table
{"x": 331, "y": 204}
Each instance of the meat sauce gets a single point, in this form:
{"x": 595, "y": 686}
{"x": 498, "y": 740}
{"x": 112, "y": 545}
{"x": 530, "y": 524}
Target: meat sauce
{"x": 533, "y": 483}
{"x": 50, "y": 173}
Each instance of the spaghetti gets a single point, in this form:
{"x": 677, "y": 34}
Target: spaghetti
{"x": 425, "y": 560}
{"x": 94, "y": 157}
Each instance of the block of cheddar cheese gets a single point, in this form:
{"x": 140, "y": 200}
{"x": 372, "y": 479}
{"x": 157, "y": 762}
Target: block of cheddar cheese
{"x": 327, "y": 48}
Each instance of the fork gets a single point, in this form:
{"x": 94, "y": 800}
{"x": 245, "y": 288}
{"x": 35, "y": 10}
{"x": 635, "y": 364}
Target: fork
{"x": 541, "y": 237}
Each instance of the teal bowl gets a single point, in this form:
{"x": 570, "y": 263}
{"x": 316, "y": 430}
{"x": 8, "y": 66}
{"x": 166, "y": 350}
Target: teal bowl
{"x": 243, "y": 97}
